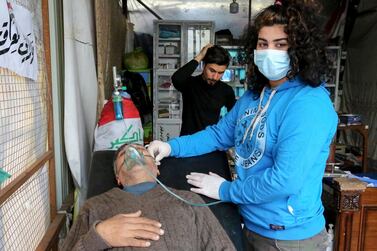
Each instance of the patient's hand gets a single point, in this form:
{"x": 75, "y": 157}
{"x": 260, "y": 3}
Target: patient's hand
{"x": 129, "y": 230}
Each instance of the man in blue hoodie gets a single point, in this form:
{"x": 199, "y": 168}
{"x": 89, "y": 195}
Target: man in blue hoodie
{"x": 281, "y": 130}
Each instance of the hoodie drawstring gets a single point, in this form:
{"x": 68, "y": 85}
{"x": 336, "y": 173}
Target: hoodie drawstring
{"x": 259, "y": 113}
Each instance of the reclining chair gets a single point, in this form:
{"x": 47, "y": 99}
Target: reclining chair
{"x": 101, "y": 179}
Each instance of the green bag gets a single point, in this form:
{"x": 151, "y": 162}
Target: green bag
{"x": 3, "y": 175}
{"x": 136, "y": 60}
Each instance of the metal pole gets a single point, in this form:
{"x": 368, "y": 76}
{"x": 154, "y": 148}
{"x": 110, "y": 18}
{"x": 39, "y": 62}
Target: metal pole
{"x": 249, "y": 13}
{"x": 149, "y": 9}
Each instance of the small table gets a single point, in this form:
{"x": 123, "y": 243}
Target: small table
{"x": 352, "y": 207}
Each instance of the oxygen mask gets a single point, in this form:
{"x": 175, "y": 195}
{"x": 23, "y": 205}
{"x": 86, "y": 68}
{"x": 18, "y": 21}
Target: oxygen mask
{"x": 133, "y": 157}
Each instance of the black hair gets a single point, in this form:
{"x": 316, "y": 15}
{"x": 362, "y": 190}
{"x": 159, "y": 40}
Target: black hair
{"x": 306, "y": 40}
{"x": 217, "y": 55}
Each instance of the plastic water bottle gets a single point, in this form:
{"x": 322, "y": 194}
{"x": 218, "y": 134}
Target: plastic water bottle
{"x": 330, "y": 238}
{"x": 118, "y": 110}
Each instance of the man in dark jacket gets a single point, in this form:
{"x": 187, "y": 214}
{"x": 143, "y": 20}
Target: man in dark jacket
{"x": 204, "y": 95}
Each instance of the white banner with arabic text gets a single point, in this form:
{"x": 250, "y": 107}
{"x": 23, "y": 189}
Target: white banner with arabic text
{"x": 17, "y": 41}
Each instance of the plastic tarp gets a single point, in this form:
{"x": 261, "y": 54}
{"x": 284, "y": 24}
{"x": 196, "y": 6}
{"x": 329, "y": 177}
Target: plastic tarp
{"x": 80, "y": 98}
{"x": 360, "y": 85}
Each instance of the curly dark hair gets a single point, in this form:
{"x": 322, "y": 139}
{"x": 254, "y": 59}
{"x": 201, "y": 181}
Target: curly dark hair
{"x": 305, "y": 39}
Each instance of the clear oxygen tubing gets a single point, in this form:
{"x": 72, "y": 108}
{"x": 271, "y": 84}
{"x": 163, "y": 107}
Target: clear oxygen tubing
{"x": 132, "y": 157}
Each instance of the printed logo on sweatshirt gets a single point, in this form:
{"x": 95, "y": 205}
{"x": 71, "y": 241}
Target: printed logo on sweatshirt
{"x": 251, "y": 151}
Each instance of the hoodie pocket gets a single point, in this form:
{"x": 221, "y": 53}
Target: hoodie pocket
{"x": 297, "y": 207}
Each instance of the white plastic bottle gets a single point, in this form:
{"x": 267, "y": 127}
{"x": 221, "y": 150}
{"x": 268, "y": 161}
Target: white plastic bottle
{"x": 330, "y": 238}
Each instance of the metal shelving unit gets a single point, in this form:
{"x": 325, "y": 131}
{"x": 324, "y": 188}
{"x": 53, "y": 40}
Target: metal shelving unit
{"x": 175, "y": 43}
{"x": 334, "y": 54}
{"x": 235, "y": 75}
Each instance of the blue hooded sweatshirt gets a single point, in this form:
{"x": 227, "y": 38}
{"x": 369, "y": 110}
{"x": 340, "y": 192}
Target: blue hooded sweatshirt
{"x": 281, "y": 148}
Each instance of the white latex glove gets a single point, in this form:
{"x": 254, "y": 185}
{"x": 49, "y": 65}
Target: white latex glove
{"x": 207, "y": 185}
{"x": 159, "y": 150}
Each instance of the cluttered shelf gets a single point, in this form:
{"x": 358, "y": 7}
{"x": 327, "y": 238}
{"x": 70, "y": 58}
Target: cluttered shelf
{"x": 352, "y": 156}
{"x": 350, "y": 199}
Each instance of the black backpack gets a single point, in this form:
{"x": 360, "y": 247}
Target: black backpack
{"x": 137, "y": 88}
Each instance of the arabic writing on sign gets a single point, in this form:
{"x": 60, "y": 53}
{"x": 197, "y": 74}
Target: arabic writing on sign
{"x": 25, "y": 49}
{"x": 17, "y": 46}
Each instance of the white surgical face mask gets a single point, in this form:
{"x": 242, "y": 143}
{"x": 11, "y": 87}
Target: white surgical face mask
{"x": 273, "y": 64}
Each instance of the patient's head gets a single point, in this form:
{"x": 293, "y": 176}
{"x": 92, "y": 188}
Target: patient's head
{"x": 128, "y": 165}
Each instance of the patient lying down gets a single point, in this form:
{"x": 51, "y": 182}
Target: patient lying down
{"x": 113, "y": 219}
